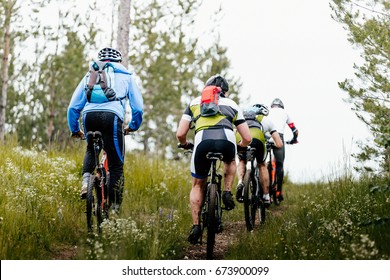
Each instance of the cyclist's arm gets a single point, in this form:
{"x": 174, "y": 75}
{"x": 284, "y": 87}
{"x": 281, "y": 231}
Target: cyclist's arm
{"x": 183, "y": 128}
{"x": 243, "y": 130}
{"x": 277, "y": 140}
{"x": 75, "y": 107}
{"x": 295, "y": 133}
{"x": 271, "y": 129}
{"x": 294, "y": 130}
{"x": 136, "y": 105}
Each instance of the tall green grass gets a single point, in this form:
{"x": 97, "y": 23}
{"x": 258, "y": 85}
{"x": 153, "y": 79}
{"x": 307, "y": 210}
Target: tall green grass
{"x": 42, "y": 216}
{"x": 342, "y": 219}
{"x": 39, "y": 205}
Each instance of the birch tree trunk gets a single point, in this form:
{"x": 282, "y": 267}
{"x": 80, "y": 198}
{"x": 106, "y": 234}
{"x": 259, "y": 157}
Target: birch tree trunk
{"x": 123, "y": 30}
{"x": 8, "y": 8}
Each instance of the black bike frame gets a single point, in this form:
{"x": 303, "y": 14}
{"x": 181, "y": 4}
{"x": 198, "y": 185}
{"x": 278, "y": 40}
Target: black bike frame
{"x": 212, "y": 203}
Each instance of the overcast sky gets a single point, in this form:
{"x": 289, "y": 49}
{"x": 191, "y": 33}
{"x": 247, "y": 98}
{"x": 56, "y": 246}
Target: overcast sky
{"x": 294, "y": 50}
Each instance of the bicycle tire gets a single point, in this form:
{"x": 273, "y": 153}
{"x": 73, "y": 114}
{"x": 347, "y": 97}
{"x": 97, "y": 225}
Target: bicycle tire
{"x": 250, "y": 215}
{"x": 90, "y": 202}
{"x": 258, "y": 201}
{"x": 99, "y": 210}
{"x": 211, "y": 220}
{"x": 94, "y": 204}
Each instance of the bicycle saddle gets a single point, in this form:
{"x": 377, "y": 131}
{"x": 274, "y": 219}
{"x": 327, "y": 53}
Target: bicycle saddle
{"x": 94, "y": 134}
{"x": 212, "y": 155}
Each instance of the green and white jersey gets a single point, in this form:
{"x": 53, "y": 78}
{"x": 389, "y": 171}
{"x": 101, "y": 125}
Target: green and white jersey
{"x": 259, "y": 127}
{"x": 230, "y": 115}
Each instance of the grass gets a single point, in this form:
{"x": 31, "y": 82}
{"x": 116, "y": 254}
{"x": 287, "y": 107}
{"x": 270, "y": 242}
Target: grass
{"x": 325, "y": 221}
{"x": 42, "y": 217}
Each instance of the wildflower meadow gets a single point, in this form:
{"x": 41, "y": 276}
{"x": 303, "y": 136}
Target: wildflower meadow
{"x": 43, "y": 217}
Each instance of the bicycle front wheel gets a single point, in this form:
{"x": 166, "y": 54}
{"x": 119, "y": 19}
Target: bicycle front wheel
{"x": 94, "y": 209}
{"x": 90, "y": 202}
{"x": 211, "y": 219}
{"x": 250, "y": 205}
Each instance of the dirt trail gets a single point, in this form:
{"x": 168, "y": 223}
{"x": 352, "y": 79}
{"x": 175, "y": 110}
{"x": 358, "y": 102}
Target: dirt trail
{"x": 193, "y": 252}
{"x": 225, "y": 239}
{"x": 222, "y": 242}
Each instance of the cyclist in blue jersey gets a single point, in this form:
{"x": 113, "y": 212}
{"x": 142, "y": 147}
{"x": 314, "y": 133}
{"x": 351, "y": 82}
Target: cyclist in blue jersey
{"x": 107, "y": 118}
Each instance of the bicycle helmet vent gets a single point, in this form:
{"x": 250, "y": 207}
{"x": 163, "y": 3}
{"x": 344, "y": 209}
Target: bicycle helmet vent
{"x": 261, "y": 109}
{"x": 277, "y": 102}
{"x": 219, "y": 81}
{"x": 110, "y": 54}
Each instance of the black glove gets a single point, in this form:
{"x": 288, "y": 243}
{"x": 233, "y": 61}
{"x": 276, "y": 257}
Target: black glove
{"x": 186, "y": 146}
{"x": 293, "y": 141}
{"x": 270, "y": 145}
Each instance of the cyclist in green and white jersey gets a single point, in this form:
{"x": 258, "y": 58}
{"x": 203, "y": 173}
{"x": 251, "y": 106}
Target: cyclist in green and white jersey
{"x": 258, "y": 124}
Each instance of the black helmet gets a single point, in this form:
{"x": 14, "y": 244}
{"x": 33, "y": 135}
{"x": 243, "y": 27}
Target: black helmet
{"x": 261, "y": 109}
{"x": 110, "y": 54}
{"x": 277, "y": 102}
{"x": 219, "y": 81}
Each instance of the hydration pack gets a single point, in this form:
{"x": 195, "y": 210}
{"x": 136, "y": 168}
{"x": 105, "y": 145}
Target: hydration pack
{"x": 100, "y": 83}
{"x": 209, "y": 101}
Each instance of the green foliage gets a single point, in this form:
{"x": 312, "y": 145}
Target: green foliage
{"x": 368, "y": 25}
{"x": 42, "y": 216}
{"x": 39, "y": 203}
{"x": 42, "y": 86}
{"x": 59, "y": 75}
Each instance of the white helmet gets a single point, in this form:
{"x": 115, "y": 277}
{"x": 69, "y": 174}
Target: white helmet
{"x": 277, "y": 102}
{"x": 110, "y": 54}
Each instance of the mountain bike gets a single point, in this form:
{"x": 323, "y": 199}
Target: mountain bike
{"x": 211, "y": 211}
{"x": 97, "y": 189}
{"x": 252, "y": 191}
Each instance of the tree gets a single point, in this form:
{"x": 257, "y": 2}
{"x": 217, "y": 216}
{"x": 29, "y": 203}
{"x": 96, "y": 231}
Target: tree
{"x": 45, "y": 85}
{"x": 8, "y": 8}
{"x": 171, "y": 66}
{"x": 123, "y": 30}
{"x": 368, "y": 24}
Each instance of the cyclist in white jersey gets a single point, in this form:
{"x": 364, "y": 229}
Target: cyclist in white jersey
{"x": 280, "y": 118}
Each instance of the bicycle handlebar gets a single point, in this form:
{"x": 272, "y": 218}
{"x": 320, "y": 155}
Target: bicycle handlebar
{"x": 186, "y": 146}
{"x": 78, "y": 135}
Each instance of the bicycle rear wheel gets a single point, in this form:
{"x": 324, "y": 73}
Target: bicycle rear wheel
{"x": 211, "y": 219}
{"x": 250, "y": 205}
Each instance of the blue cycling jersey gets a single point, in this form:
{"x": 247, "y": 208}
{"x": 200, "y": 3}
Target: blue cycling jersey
{"x": 125, "y": 85}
